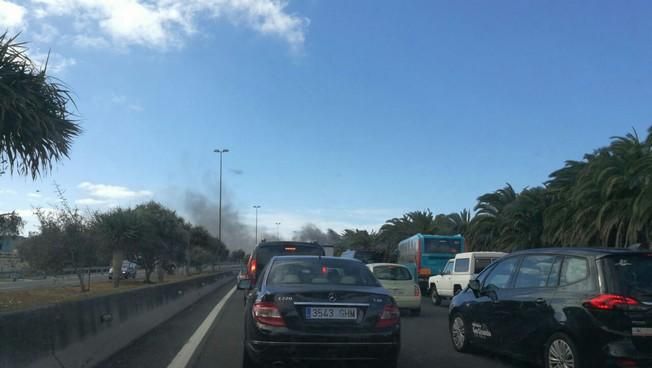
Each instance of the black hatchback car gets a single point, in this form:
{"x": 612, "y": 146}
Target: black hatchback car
{"x": 319, "y": 308}
{"x": 563, "y": 307}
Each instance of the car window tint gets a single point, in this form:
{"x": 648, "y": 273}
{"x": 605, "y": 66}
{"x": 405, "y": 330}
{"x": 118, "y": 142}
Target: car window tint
{"x": 553, "y": 277}
{"x": 481, "y": 264}
{"x": 447, "y": 268}
{"x": 534, "y": 271}
{"x": 393, "y": 273}
{"x": 501, "y": 274}
{"x": 462, "y": 265}
{"x": 320, "y": 271}
{"x": 573, "y": 269}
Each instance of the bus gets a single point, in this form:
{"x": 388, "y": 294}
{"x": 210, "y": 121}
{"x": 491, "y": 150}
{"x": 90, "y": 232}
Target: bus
{"x": 426, "y": 255}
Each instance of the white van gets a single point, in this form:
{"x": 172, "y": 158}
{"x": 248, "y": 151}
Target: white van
{"x": 458, "y": 272}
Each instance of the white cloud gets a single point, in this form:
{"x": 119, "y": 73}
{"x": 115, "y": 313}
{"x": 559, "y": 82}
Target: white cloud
{"x": 123, "y": 101}
{"x": 91, "y": 202}
{"x": 112, "y": 192}
{"x": 90, "y": 41}
{"x": 34, "y": 195}
{"x": 7, "y": 192}
{"x": 57, "y": 63}
{"x": 164, "y": 23}
{"x": 12, "y": 16}
{"x": 46, "y": 34}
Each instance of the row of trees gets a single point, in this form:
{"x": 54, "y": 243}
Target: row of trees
{"x": 151, "y": 235}
{"x": 603, "y": 200}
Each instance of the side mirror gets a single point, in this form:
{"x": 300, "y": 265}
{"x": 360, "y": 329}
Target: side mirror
{"x": 244, "y": 284}
{"x": 474, "y": 285}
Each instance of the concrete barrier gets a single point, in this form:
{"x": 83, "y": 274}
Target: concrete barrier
{"x": 84, "y": 333}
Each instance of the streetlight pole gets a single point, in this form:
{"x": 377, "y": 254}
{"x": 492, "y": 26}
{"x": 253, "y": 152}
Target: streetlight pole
{"x": 277, "y": 233}
{"x": 219, "y": 226}
{"x": 256, "y": 207}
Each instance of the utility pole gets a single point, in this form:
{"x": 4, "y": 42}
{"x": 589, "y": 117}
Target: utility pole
{"x": 219, "y": 226}
{"x": 277, "y": 233}
{"x": 257, "y": 206}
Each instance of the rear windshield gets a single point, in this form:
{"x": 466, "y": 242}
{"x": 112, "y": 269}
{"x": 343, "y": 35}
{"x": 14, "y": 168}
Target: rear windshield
{"x": 438, "y": 245}
{"x": 393, "y": 273}
{"x": 265, "y": 252}
{"x": 630, "y": 275}
{"x": 316, "y": 271}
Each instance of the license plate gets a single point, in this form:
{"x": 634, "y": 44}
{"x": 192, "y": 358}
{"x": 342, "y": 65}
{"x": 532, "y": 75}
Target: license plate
{"x": 396, "y": 291}
{"x": 331, "y": 313}
{"x": 641, "y": 331}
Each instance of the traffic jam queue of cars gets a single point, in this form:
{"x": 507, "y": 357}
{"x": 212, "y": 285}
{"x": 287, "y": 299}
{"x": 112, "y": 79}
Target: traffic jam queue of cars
{"x": 558, "y": 307}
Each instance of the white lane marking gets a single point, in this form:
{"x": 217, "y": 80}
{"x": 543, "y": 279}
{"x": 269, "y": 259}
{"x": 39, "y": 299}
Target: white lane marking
{"x": 185, "y": 354}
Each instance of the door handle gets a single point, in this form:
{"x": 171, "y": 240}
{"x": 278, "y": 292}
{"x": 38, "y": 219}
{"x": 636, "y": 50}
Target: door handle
{"x": 540, "y": 301}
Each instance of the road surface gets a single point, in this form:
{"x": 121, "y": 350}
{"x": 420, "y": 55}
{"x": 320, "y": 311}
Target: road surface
{"x": 425, "y": 340}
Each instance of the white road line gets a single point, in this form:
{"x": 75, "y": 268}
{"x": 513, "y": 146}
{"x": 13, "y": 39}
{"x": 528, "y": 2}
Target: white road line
{"x": 185, "y": 354}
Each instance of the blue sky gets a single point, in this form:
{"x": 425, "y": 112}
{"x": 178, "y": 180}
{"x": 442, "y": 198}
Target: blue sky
{"x": 339, "y": 113}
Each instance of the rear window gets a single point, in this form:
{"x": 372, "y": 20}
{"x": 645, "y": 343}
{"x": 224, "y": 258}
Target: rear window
{"x": 264, "y": 253}
{"x": 316, "y": 271}
{"x": 481, "y": 264}
{"x": 393, "y": 273}
{"x": 630, "y": 276}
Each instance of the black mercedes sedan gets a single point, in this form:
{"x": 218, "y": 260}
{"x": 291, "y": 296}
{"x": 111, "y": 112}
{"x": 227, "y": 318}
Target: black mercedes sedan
{"x": 563, "y": 307}
{"x": 306, "y": 308}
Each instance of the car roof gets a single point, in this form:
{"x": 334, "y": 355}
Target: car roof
{"x": 486, "y": 254}
{"x": 581, "y": 251}
{"x": 285, "y": 243}
{"x": 385, "y": 264}
{"x": 318, "y": 257}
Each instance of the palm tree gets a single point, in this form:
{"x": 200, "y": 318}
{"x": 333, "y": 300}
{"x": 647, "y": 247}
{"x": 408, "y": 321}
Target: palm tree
{"x": 484, "y": 230}
{"x": 121, "y": 229}
{"x": 35, "y": 125}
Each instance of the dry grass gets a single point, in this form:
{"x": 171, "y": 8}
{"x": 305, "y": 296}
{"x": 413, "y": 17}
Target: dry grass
{"x": 13, "y": 300}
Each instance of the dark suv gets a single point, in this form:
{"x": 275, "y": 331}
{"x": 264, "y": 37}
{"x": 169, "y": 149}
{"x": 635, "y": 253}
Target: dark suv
{"x": 266, "y": 250}
{"x": 565, "y": 307}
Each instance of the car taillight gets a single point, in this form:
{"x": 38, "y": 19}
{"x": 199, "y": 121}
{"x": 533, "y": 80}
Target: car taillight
{"x": 389, "y": 316}
{"x": 268, "y": 314}
{"x": 252, "y": 267}
{"x": 417, "y": 290}
{"x": 610, "y": 302}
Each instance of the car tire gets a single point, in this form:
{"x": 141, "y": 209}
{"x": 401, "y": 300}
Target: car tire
{"x": 561, "y": 347}
{"x": 415, "y": 312}
{"x": 459, "y": 333}
{"x": 456, "y": 289}
{"x": 434, "y": 296}
{"x": 247, "y": 362}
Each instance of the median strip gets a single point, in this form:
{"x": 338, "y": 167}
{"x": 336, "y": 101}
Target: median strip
{"x": 189, "y": 349}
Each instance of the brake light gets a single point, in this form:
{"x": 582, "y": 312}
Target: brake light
{"x": 610, "y": 302}
{"x": 390, "y": 316}
{"x": 268, "y": 314}
{"x": 417, "y": 290}
{"x": 425, "y": 272}
{"x": 290, "y": 249}
{"x": 252, "y": 267}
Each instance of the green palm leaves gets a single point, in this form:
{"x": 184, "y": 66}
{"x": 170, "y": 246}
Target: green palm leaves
{"x": 35, "y": 125}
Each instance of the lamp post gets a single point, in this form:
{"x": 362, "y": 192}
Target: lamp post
{"x": 257, "y": 206}
{"x": 277, "y": 233}
{"x": 219, "y": 226}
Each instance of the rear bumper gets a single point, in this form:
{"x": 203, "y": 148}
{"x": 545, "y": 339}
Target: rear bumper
{"x": 408, "y": 302}
{"x": 268, "y": 351}
{"x": 619, "y": 353}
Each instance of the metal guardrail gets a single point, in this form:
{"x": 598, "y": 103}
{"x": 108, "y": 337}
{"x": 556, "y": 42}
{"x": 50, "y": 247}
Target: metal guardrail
{"x": 69, "y": 271}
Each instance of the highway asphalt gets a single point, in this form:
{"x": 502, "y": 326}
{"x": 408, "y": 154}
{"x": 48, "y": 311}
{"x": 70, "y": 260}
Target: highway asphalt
{"x": 425, "y": 340}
